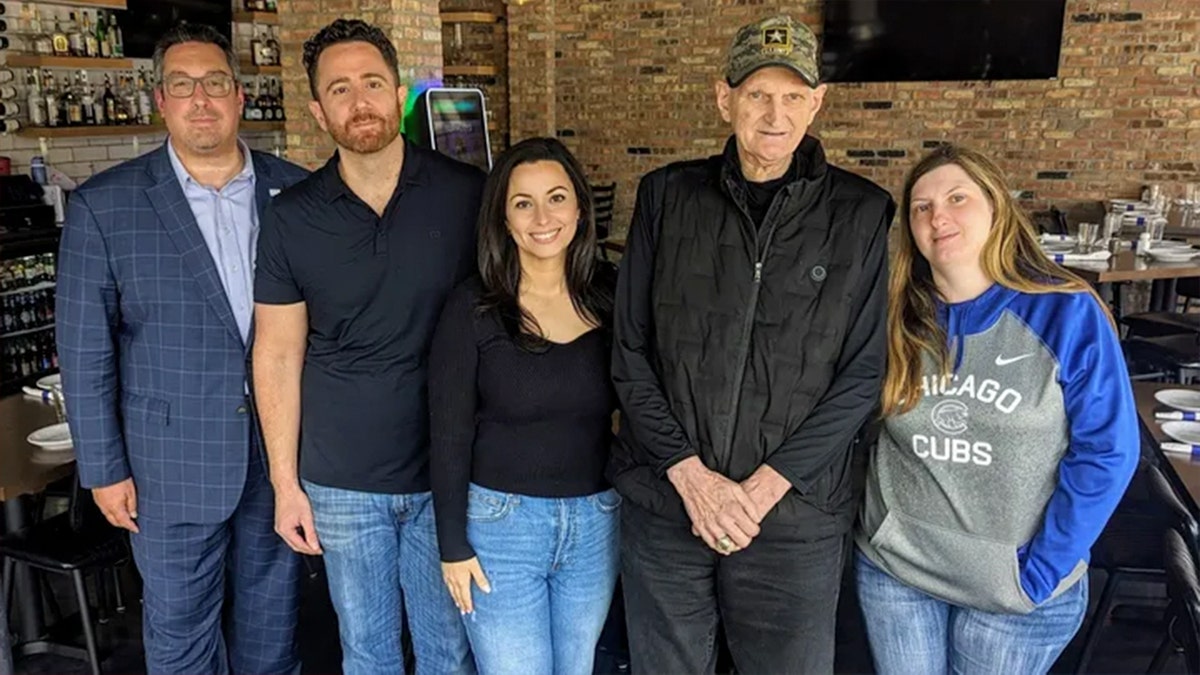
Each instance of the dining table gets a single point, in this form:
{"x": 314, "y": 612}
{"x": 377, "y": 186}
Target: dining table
{"x": 27, "y": 470}
{"x": 1125, "y": 266}
{"x": 1184, "y": 467}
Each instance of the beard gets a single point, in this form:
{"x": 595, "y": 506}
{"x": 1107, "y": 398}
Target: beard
{"x": 367, "y": 140}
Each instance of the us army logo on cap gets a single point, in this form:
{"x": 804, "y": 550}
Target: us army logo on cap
{"x": 777, "y": 39}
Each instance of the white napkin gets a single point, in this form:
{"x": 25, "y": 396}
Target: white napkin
{"x": 1095, "y": 256}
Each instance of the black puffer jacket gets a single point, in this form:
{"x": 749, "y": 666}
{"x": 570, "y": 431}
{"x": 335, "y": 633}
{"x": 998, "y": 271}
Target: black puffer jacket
{"x": 746, "y": 344}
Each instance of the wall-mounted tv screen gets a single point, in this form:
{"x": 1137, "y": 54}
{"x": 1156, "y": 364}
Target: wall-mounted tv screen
{"x": 929, "y": 40}
{"x": 146, "y": 20}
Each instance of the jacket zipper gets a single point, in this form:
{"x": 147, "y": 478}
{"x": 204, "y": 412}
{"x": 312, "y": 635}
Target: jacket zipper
{"x": 747, "y": 327}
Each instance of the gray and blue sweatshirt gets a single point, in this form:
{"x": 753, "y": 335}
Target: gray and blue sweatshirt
{"x": 991, "y": 491}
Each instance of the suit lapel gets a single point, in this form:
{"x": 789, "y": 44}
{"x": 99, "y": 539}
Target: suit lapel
{"x": 176, "y": 216}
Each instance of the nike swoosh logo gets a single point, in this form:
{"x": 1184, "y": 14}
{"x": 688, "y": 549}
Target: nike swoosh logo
{"x": 1001, "y": 361}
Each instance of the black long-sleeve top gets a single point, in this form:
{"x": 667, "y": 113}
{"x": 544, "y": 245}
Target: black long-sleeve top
{"x": 530, "y": 423}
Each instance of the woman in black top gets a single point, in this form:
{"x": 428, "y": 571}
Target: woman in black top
{"x": 521, "y": 413}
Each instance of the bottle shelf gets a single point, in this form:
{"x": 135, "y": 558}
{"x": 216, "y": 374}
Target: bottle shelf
{"x": 469, "y": 17}
{"x": 470, "y": 71}
{"x": 248, "y": 68}
{"x": 86, "y": 4}
{"x": 72, "y": 62}
{"x": 253, "y": 126}
{"x": 97, "y": 130}
{"x": 265, "y": 18}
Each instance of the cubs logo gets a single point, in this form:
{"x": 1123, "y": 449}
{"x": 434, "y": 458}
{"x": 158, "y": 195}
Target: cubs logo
{"x": 950, "y": 417}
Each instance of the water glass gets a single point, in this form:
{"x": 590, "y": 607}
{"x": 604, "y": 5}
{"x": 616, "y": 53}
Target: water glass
{"x": 1086, "y": 237}
{"x": 1157, "y": 227}
{"x": 1112, "y": 225}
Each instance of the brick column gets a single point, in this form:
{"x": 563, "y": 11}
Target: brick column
{"x": 413, "y": 25}
{"x": 531, "y": 54}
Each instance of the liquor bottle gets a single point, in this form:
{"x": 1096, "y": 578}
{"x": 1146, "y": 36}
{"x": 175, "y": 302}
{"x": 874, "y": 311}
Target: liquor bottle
{"x": 271, "y": 6}
{"x": 279, "y": 111}
{"x": 272, "y": 46}
{"x": 248, "y": 106}
{"x": 91, "y": 46}
{"x": 131, "y": 98}
{"x": 110, "y": 102}
{"x": 86, "y": 99}
{"x": 75, "y": 36}
{"x": 50, "y": 95}
{"x": 145, "y": 105}
{"x": 118, "y": 39}
{"x": 43, "y": 42}
{"x": 62, "y": 45}
{"x": 257, "y": 112}
{"x": 73, "y": 104}
{"x": 34, "y": 102}
{"x": 257, "y": 49}
{"x": 102, "y": 35}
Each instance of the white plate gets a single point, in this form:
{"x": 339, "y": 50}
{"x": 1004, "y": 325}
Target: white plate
{"x": 50, "y": 381}
{"x": 1167, "y": 243}
{"x": 1180, "y": 399}
{"x": 53, "y": 437}
{"x": 1172, "y": 254}
{"x": 1184, "y": 432}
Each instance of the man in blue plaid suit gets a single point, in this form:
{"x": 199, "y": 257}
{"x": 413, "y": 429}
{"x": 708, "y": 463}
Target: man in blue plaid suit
{"x": 154, "y": 307}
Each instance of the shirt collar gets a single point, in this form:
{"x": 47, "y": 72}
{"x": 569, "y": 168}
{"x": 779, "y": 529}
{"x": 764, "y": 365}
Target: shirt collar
{"x": 411, "y": 173}
{"x": 185, "y": 178}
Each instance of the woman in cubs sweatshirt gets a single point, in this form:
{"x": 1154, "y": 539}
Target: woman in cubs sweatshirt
{"x": 1009, "y": 436}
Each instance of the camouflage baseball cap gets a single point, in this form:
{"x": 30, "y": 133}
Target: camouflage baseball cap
{"x": 775, "y": 41}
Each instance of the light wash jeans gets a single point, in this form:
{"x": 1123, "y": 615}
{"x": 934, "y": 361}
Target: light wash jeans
{"x": 381, "y": 549}
{"x": 914, "y": 633}
{"x": 552, "y": 565}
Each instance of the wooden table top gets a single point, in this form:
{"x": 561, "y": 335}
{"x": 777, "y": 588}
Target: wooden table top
{"x": 24, "y": 468}
{"x": 1187, "y": 468}
{"x": 1125, "y": 266}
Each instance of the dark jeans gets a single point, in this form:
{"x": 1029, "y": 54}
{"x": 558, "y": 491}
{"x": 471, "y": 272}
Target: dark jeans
{"x": 776, "y": 600}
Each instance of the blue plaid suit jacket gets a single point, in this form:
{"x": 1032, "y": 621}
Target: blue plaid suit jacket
{"x": 153, "y": 364}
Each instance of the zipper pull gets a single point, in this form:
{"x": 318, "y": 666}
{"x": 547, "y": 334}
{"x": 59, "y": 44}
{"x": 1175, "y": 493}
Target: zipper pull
{"x": 757, "y": 272}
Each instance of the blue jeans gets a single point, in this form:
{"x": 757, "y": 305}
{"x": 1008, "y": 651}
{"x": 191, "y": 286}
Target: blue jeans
{"x": 911, "y": 632}
{"x": 552, "y": 565}
{"x": 381, "y": 549}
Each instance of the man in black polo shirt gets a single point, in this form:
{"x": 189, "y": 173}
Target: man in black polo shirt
{"x": 353, "y": 266}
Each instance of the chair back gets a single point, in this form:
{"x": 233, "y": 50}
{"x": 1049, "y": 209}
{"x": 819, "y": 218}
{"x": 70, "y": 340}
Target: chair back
{"x": 603, "y": 197}
{"x": 1183, "y": 588}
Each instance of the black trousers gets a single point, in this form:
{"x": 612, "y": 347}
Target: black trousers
{"x": 776, "y": 600}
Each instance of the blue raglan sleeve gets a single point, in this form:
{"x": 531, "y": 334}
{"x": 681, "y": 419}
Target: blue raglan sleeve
{"x": 1104, "y": 443}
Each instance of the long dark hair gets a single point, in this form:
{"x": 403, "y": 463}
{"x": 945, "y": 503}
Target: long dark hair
{"x": 499, "y": 259}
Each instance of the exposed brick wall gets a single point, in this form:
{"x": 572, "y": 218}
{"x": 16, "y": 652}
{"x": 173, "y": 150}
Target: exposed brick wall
{"x": 483, "y": 44}
{"x": 413, "y": 25}
{"x": 629, "y": 87}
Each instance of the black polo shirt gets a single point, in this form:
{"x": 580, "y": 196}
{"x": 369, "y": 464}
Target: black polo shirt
{"x": 374, "y": 289}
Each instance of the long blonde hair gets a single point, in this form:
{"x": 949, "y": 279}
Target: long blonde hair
{"x": 1011, "y": 256}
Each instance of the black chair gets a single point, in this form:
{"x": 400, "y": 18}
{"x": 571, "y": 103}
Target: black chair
{"x": 1160, "y": 324}
{"x": 1129, "y": 549}
{"x": 74, "y": 543}
{"x": 1050, "y": 222}
{"x": 1183, "y": 587}
{"x": 1177, "y": 356}
{"x": 1187, "y": 534}
{"x": 603, "y": 197}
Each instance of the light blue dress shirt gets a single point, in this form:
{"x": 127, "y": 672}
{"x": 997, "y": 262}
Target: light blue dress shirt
{"x": 228, "y": 220}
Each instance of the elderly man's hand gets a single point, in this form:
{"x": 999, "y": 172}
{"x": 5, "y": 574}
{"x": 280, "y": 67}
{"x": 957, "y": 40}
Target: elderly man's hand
{"x": 722, "y": 514}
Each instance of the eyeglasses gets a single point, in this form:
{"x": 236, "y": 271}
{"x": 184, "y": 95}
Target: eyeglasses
{"x": 216, "y": 85}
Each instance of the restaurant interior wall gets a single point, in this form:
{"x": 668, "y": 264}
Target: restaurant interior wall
{"x": 629, "y": 87}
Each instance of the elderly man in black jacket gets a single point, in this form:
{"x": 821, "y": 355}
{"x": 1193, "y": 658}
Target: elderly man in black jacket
{"x": 748, "y": 357}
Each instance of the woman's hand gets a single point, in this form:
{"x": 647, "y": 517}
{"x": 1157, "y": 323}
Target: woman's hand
{"x": 458, "y": 577}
